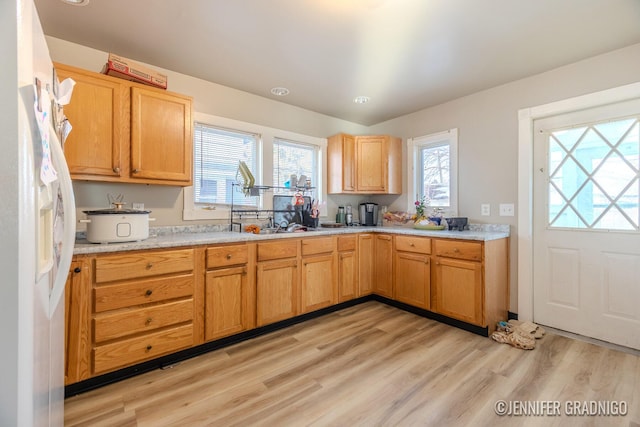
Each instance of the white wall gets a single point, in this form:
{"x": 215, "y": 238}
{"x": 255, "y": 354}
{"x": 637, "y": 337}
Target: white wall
{"x": 487, "y": 123}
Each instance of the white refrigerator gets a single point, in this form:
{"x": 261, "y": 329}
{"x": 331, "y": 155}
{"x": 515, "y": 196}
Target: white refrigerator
{"x": 37, "y": 229}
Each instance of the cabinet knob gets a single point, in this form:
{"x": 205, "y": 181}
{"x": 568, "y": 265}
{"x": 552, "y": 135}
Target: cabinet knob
{"x": 228, "y": 256}
{"x": 411, "y": 244}
{"x": 77, "y": 270}
{"x": 135, "y": 170}
{"x": 456, "y": 250}
{"x": 116, "y": 169}
{"x": 150, "y": 265}
{"x": 149, "y": 347}
{"x": 148, "y": 321}
{"x": 148, "y": 293}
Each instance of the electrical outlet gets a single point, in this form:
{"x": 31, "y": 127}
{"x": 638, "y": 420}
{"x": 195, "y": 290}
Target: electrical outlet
{"x": 485, "y": 209}
{"x": 137, "y": 206}
{"x": 507, "y": 209}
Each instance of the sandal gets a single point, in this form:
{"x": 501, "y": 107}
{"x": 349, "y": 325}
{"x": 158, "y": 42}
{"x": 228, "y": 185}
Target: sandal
{"x": 528, "y": 327}
{"x": 517, "y": 339}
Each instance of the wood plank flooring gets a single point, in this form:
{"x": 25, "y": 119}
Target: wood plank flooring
{"x": 369, "y": 365}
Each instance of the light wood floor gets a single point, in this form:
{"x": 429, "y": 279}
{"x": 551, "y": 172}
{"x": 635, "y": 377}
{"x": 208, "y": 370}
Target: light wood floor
{"x": 368, "y": 365}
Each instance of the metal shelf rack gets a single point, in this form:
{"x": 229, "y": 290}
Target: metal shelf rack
{"x": 236, "y": 215}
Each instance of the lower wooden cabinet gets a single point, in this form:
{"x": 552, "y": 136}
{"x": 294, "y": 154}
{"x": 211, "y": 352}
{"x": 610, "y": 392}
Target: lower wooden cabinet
{"x": 229, "y": 290}
{"x": 365, "y": 264}
{"x": 130, "y": 307}
{"x": 470, "y": 280}
{"x": 347, "y": 268}
{"x": 413, "y": 279}
{"x": 412, "y": 266}
{"x": 77, "y": 322}
{"x": 383, "y": 265}
{"x": 458, "y": 289}
{"x": 277, "y": 291}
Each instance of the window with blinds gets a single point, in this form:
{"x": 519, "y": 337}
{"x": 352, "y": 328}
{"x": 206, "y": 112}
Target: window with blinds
{"x": 290, "y": 157}
{"x": 217, "y": 153}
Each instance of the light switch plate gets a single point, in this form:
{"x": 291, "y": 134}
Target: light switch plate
{"x": 507, "y": 209}
{"x": 485, "y": 209}
{"x": 138, "y": 206}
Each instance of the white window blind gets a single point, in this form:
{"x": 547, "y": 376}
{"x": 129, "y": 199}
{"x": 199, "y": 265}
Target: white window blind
{"x": 217, "y": 153}
{"x": 291, "y": 157}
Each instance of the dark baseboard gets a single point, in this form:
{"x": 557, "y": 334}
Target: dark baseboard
{"x": 512, "y": 316}
{"x": 174, "y": 358}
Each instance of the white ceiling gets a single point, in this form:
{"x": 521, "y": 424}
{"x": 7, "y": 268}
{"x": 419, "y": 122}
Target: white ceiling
{"x": 405, "y": 55}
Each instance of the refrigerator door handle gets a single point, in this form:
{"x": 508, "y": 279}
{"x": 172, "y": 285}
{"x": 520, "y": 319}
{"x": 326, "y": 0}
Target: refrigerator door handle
{"x": 69, "y": 233}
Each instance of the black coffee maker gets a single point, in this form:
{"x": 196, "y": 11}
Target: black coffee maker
{"x": 368, "y": 214}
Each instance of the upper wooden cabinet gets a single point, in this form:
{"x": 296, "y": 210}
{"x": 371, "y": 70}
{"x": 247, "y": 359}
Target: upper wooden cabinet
{"x": 364, "y": 164}
{"x": 127, "y": 132}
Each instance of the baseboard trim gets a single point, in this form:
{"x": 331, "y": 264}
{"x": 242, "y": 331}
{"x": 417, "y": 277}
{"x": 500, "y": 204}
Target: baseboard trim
{"x": 175, "y": 358}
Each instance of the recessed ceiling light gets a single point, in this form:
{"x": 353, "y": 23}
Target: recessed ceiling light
{"x": 76, "y": 2}
{"x": 280, "y": 91}
{"x": 361, "y": 99}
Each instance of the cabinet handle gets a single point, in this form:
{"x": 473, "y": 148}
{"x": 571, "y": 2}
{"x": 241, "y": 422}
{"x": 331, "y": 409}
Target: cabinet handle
{"x": 148, "y": 293}
{"x": 411, "y": 244}
{"x": 228, "y": 256}
{"x": 116, "y": 169}
{"x": 149, "y": 347}
{"x": 149, "y": 266}
{"x": 148, "y": 321}
{"x": 456, "y": 250}
{"x": 77, "y": 270}
{"x": 135, "y": 170}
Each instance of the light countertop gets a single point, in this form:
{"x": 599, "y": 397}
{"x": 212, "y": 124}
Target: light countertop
{"x": 167, "y": 237}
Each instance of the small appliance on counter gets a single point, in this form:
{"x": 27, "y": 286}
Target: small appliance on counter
{"x": 368, "y": 214}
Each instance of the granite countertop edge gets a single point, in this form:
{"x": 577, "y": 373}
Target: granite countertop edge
{"x": 168, "y": 237}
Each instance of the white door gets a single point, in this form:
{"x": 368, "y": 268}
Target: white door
{"x": 586, "y": 223}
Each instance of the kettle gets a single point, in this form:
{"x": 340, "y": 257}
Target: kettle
{"x": 368, "y": 214}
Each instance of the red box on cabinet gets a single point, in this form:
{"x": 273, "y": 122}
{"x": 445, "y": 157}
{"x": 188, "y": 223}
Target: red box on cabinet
{"x": 127, "y": 69}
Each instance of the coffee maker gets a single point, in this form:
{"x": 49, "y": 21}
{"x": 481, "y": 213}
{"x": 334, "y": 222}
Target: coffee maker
{"x": 368, "y": 214}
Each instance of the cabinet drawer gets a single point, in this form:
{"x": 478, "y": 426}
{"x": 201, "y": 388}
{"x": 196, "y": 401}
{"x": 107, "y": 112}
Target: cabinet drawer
{"x": 320, "y": 245}
{"x": 419, "y": 245}
{"x": 142, "y": 292}
{"x": 130, "y": 322}
{"x": 223, "y": 256}
{"x": 347, "y": 243}
{"x": 277, "y": 250}
{"x": 457, "y": 249}
{"x": 134, "y": 350}
{"x": 143, "y": 264}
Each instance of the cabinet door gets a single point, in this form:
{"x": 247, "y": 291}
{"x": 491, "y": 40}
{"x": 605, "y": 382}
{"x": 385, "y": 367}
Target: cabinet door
{"x": 372, "y": 161}
{"x": 318, "y": 282}
{"x": 77, "y": 322}
{"x": 99, "y": 114}
{"x": 347, "y": 276}
{"x": 161, "y": 142}
{"x": 226, "y": 305}
{"x": 413, "y": 279}
{"x": 365, "y": 264}
{"x": 458, "y": 290}
{"x": 383, "y": 267}
{"x": 341, "y": 164}
{"x": 277, "y": 291}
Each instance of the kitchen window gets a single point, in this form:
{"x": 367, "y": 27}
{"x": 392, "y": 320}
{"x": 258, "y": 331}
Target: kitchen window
{"x": 433, "y": 160}
{"x": 290, "y": 157}
{"x": 217, "y": 153}
{"x": 271, "y": 155}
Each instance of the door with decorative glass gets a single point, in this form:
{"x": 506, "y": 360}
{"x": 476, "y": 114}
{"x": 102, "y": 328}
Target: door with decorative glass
{"x": 586, "y": 198}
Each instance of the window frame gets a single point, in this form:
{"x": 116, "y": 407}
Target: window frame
{"x": 264, "y": 163}
{"x": 414, "y": 146}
